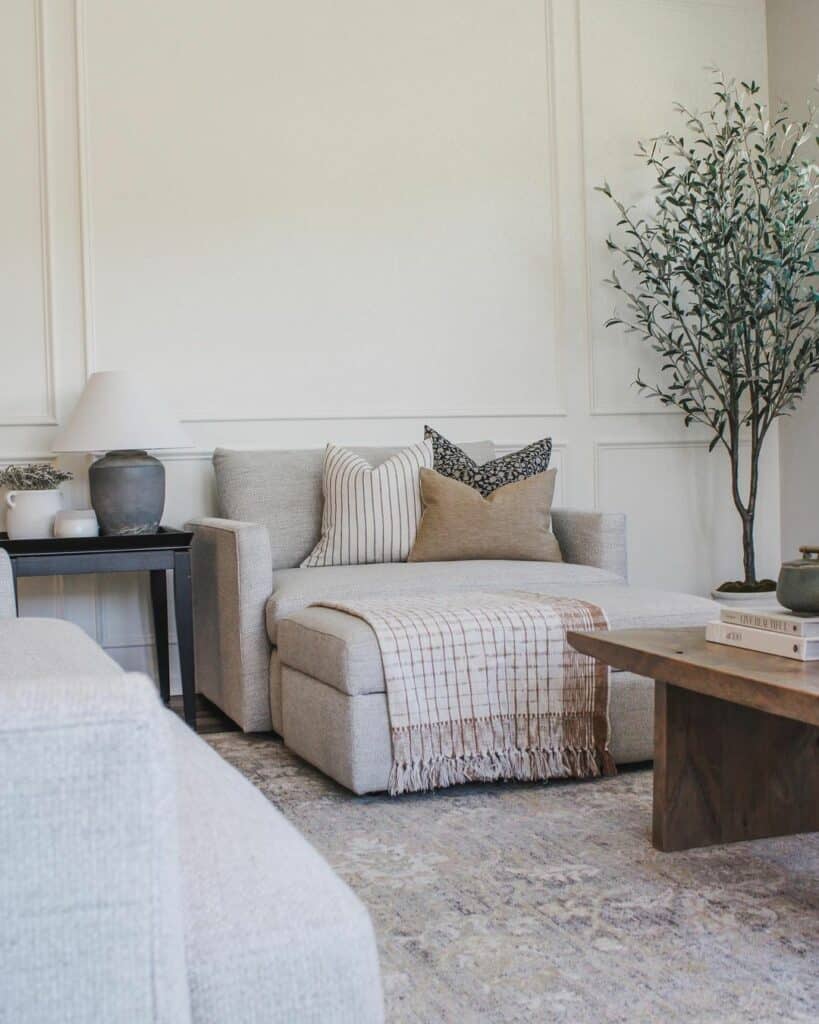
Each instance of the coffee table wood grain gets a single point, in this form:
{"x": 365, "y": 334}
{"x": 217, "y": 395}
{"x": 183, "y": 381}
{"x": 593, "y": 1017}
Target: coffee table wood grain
{"x": 736, "y": 735}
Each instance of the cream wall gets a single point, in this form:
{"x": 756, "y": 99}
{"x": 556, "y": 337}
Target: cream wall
{"x": 793, "y": 47}
{"x": 323, "y": 221}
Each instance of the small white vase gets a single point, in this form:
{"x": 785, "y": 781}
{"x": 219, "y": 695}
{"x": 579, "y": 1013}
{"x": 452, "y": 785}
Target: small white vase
{"x": 80, "y": 522}
{"x": 30, "y": 514}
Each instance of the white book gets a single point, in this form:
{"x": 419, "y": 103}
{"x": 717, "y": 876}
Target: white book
{"x": 765, "y": 641}
{"x": 774, "y": 620}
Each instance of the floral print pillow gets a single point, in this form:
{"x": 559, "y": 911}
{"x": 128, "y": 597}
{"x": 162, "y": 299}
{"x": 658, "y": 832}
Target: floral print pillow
{"x": 452, "y": 461}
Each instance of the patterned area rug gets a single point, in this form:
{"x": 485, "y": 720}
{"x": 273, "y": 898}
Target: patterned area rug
{"x": 529, "y": 902}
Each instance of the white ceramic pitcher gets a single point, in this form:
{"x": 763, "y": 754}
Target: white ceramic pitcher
{"x": 30, "y": 514}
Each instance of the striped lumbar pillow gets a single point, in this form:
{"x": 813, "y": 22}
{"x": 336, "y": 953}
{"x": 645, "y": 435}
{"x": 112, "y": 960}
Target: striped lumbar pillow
{"x": 370, "y": 515}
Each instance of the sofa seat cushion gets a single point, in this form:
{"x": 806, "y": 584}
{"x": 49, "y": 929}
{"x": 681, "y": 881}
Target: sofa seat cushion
{"x": 295, "y": 589}
{"x": 342, "y": 651}
{"x": 271, "y": 934}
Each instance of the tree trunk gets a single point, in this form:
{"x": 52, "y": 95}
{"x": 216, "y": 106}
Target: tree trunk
{"x": 748, "y": 554}
{"x": 747, "y": 512}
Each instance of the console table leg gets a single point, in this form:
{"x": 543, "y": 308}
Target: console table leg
{"x": 725, "y": 773}
{"x": 159, "y": 605}
{"x": 183, "y": 603}
{"x": 14, "y": 586}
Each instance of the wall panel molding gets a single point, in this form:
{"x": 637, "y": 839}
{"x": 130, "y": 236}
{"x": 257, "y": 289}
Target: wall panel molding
{"x": 555, "y": 204}
{"x": 90, "y": 348}
{"x": 382, "y": 418}
{"x": 9, "y": 460}
{"x": 86, "y": 219}
{"x": 684, "y": 532}
{"x": 647, "y": 444}
{"x": 113, "y": 641}
{"x": 744, "y": 10}
{"x": 596, "y": 408}
{"x": 49, "y": 418}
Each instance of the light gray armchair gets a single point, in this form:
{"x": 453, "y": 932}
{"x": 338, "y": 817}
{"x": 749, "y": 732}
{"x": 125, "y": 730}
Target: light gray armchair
{"x": 246, "y": 577}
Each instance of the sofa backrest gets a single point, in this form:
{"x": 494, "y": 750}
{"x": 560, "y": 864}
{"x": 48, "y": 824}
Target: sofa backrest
{"x": 282, "y": 491}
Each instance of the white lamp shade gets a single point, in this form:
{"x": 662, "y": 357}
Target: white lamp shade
{"x": 119, "y": 411}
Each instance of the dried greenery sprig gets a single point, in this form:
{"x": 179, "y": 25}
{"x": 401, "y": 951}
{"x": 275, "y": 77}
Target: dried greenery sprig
{"x": 33, "y": 476}
{"x": 721, "y": 278}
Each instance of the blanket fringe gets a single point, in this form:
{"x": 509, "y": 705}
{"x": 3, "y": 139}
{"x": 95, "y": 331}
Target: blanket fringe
{"x": 501, "y": 765}
{"x": 609, "y": 767}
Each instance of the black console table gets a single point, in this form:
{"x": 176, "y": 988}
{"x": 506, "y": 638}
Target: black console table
{"x": 154, "y": 553}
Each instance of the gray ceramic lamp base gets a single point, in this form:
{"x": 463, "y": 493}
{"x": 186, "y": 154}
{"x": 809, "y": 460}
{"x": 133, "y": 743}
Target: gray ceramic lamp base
{"x": 127, "y": 492}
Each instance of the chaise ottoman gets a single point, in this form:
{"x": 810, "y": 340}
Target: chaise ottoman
{"x": 328, "y": 693}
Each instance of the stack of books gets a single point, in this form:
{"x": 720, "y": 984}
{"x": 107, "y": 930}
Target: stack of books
{"x": 770, "y": 631}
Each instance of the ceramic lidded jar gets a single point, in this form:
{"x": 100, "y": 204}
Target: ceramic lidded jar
{"x": 798, "y": 586}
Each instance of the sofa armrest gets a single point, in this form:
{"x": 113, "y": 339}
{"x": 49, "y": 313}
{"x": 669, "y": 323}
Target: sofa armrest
{"x": 91, "y": 925}
{"x": 592, "y": 538}
{"x": 8, "y": 609}
{"x": 232, "y": 573}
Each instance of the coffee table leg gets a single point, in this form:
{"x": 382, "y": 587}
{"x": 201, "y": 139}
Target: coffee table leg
{"x": 159, "y": 605}
{"x": 725, "y": 773}
{"x": 184, "y": 631}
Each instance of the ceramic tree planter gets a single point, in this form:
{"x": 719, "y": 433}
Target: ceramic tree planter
{"x": 750, "y": 599}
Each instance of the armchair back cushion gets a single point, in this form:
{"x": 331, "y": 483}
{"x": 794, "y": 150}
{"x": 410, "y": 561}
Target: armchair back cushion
{"x": 282, "y": 491}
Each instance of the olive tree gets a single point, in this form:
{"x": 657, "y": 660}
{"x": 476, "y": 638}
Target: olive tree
{"x": 720, "y": 278}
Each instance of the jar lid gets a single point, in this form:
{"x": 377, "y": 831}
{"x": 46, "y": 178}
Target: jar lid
{"x": 809, "y": 559}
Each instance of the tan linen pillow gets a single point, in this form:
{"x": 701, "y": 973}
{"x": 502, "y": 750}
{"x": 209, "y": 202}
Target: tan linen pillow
{"x": 458, "y": 523}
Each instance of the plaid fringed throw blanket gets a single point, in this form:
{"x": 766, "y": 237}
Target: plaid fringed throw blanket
{"x": 484, "y": 686}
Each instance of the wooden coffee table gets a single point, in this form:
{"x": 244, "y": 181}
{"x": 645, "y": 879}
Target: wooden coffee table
{"x": 736, "y": 735}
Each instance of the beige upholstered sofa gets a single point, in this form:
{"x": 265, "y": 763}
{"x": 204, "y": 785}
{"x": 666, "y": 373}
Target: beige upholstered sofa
{"x": 271, "y": 660}
{"x": 142, "y": 878}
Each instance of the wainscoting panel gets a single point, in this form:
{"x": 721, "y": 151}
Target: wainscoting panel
{"x": 639, "y": 57}
{"x": 353, "y": 201}
{"x": 682, "y": 533}
{"x": 27, "y": 379}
